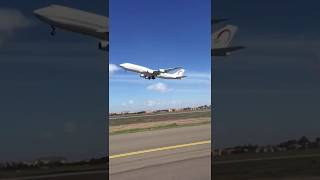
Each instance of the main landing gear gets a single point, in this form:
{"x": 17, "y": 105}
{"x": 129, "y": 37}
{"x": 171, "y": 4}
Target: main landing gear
{"x": 151, "y": 77}
{"x": 53, "y": 31}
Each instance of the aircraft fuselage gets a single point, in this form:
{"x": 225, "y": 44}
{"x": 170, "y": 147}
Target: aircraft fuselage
{"x": 148, "y": 73}
{"x": 74, "y": 20}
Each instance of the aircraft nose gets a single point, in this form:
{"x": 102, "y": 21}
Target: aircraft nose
{"x": 40, "y": 12}
{"x": 122, "y": 65}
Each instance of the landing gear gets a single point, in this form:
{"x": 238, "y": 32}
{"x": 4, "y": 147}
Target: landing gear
{"x": 150, "y": 77}
{"x": 53, "y": 31}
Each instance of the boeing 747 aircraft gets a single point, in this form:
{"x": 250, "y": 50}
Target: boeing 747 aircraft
{"x": 76, "y": 21}
{"x": 152, "y": 74}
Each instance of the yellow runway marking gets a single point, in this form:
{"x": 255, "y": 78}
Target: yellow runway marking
{"x": 159, "y": 149}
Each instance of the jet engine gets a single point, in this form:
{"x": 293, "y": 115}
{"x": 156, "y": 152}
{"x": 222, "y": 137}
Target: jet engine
{"x": 146, "y": 76}
{"x": 103, "y": 45}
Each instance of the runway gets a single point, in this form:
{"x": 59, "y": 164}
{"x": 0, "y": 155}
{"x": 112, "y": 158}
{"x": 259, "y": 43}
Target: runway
{"x": 169, "y": 154}
{"x": 92, "y": 175}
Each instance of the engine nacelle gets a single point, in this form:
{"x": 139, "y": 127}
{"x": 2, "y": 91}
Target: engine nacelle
{"x": 104, "y": 45}
{"x": 146, "y": 76}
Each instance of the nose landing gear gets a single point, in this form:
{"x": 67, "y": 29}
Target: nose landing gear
{"x": 53, "y": 31}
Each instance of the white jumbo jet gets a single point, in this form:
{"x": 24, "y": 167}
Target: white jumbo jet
{"x": 75, "y": 20}
{"x": 152, "y": 74}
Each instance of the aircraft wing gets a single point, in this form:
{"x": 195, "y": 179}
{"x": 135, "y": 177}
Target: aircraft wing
{"x": 169, "y": 69}
{"x": 103, "y": 30}
{"x": 103, "y": 33}
{"x": 165, "y": 70}
{"x": 104, "y": 44}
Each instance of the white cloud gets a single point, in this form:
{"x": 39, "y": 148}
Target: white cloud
{"x": 113, "y": 68}
{"x": 160, "y": 87}
{"x": 10, "y": 21}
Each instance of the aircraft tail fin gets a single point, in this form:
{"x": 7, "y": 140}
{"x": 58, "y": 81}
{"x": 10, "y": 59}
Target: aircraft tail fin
{"x": 180, "y": 73}
{"x": 223, "y": 37}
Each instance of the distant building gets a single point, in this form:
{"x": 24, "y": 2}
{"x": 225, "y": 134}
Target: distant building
{"x": 148, "y": 112}
{"x": 48, "y": 160}
{"x": 124, "y": 112}
{"x": 141, "y": 112}
{"x": 163, "y": 110}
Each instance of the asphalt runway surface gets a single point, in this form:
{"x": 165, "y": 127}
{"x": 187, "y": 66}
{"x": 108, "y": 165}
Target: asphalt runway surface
{"x": 168, "y": 154}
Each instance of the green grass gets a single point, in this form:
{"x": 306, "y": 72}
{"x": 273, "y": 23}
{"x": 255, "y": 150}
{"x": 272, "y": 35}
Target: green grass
{"x": 268, "y": 168}
{"x": 266, "y": 155}
{"x": 168, "y": 126}
{"x": 50, "y": 170}
{"x": 159, "y": 117}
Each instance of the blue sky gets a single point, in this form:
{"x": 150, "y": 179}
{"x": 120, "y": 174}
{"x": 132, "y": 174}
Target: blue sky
{"x": 53, "y": 88}
{"x": 159, "y": 34}
{"x": 268, "y": 92}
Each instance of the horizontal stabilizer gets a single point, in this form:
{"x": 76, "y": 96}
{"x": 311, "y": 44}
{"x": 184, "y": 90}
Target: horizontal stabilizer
{"x": 225, "y": 51}
{"x": 168, "y": 70}
{"x": 216, "y": 21}
{"x": 102, "y": 31}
